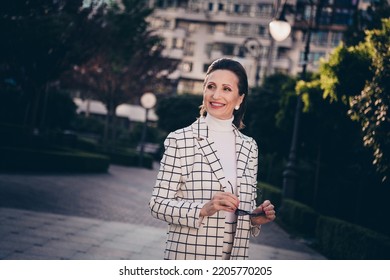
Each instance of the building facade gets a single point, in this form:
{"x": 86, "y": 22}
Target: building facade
{"x": 197, "y": 32}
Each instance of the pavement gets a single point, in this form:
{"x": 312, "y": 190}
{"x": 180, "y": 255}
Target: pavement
{"x": 102, "y": 217}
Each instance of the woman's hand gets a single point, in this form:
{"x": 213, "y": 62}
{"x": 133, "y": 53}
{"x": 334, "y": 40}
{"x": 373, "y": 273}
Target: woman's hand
{"x": 221, "y": 201}
{"x": 268, "y": 208}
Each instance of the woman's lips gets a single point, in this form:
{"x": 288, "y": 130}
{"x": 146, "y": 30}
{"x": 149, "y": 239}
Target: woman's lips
{"x": 216, "y": 104}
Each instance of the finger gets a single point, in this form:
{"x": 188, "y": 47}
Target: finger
{"x": 231, "y": 198}
{"x": 228, "y": 205}
{"x": 265, "y": 203}
{"x": 269, "y": 208}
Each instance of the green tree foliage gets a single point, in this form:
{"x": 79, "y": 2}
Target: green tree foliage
{"x": 40, "y": 40}
{"x": 178, "y": 111}
{"x": 345, "y": 73}
{"x": 371, "y": 108}
{"x": 269, "y": 122}
{"x": 360, "y": 76}
{"x": 127, "y": 62}
{"x": 368, "y": 19}
{"x": 335, "y": 171}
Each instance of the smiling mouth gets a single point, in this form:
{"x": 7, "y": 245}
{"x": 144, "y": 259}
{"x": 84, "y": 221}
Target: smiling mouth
{"x": 214, "y": 104}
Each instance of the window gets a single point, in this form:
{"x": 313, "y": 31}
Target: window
{"x": 245, "y": 29}
{"x": 177, "y": 43}
{"x": 262, "y": 31}
{"x": 189, "y": 86}
{"x": 205, "y": 67}
{"x": 320, "y": 38}
{"x": 264, "y": 10}
{"x": 246, "y": 9}
{"x": 282, "y": 52}
{"x": 336, "y": 38}
{"x": 160, "y": 4}
{"x": 236, "y": 8}
{"x": 313, "y": 57}
{"x": 209, "y": 48}
{"x": 227, "y": 49}
{"x": 233, "y": 28}
{"x": 326, "y": 16}
{"x": 189, "y": 48}
{"x": 186, "y": 66}
{"x": 343, "y": 16}
{"x": 211, "y": 6}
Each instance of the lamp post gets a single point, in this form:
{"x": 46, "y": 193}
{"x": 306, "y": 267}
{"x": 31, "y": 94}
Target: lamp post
{"x": 253, "y": 46}
{"x": 148, "y": 101}
{"x": 280, "y": 30}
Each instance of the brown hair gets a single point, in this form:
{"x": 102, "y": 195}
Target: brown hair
{"x": 235, "y": 67}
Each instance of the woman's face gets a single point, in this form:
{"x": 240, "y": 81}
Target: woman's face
{"x": 220, "y": 94}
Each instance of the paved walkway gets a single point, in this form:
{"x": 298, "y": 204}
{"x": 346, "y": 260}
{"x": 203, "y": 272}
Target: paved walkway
{"x": 36, "y": 234}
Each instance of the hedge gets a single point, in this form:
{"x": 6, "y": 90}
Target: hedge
{"x": 338, "y": 239}
{"x": 299, "y": 216}
{"x": 131, "y": 158}
{"x": 31, "y": 160}
{"x": 266, "y": 191}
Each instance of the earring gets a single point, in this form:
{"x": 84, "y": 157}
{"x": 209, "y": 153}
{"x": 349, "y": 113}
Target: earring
{"x": 237, "y": 107}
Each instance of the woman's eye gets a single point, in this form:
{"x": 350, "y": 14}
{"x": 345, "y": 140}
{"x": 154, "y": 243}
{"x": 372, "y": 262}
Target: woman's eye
{"x": 210, "y": 86}
{"x": 227, "y": 89}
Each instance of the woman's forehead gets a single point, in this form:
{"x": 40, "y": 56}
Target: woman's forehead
{"x": 222, "y": 77}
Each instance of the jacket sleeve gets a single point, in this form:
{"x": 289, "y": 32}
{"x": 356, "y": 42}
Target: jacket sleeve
{"x": 255, "y": 230}
{"x": 166, "y": 202}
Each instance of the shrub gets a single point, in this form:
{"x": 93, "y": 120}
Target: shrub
{"x": 30, "y": 160}
{"x": 266, "y": 191}
{"x": 298, "y": 216}
{"x": 338, "y": 239}
{"x": 129, "y": 157}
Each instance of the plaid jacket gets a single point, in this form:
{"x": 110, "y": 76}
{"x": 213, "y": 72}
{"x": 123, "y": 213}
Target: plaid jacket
{"x": 190, "y": 174}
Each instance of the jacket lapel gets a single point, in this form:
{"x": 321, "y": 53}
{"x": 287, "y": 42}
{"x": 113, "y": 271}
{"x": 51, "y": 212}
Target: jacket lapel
{"x": 207, "y": 147}
{"x": 242, "y": 153}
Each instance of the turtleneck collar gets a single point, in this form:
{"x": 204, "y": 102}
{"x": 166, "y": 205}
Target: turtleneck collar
{"x": 219, "y": 125}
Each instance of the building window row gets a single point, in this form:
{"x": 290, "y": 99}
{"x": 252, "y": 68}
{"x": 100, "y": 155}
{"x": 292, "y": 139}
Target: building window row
{"x": 160, "y": 23}
{"x": 245, "y": 9}
{"x": 227, "y": 6}
{"x": 230, "y": 29}
{"x": 245, "y": 29}
{"x": 313, "y": 58}
{"x": 326, "y": 38}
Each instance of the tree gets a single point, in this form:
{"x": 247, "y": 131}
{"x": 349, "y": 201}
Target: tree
{"x": 368, "y": 19}
{"x": 178, "y": 111}
{"x": 128, "y": 62}
{"x": 346, "y": 112}
{"x": 360, "y": 76}
{"x": 371, "y": 108}
{"x": 268, "y": 121}
{"x": 40, "y": 40}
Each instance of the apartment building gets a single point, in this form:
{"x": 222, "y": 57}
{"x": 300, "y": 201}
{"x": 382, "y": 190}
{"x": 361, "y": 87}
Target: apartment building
{"x": 197, "y": 32}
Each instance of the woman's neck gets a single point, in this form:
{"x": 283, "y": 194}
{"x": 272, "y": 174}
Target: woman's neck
{"x": 219, "y": 125}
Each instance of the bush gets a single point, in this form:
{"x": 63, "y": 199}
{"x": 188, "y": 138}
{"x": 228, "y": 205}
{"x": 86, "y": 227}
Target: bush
{"x": 299, "y": 217}
{"x": 266, "y": 191}
{"x": 13, "y": 135}
{"x": 30, "y": 160}
{"x": 338, "y": 239}
{"x": 130, "y": 158}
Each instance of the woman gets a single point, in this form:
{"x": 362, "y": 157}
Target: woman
{"x": 206, "y": 185}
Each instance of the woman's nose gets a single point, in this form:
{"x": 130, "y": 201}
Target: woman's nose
{"x": 216, "y": 94}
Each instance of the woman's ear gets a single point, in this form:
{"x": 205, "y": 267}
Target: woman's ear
{"x": 241, "y": 99}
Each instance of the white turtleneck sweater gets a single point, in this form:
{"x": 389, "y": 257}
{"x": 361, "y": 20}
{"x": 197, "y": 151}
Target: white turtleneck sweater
{"x": 221, "y": 132}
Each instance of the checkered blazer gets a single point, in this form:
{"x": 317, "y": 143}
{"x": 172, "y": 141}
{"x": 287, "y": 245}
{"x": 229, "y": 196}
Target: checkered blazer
{"x": 189, "y": 176}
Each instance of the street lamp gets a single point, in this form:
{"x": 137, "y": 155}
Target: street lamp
{"x": 278, "y": 29}
{"x": 253, "y": 46}
{"x": 148, "y": 101}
